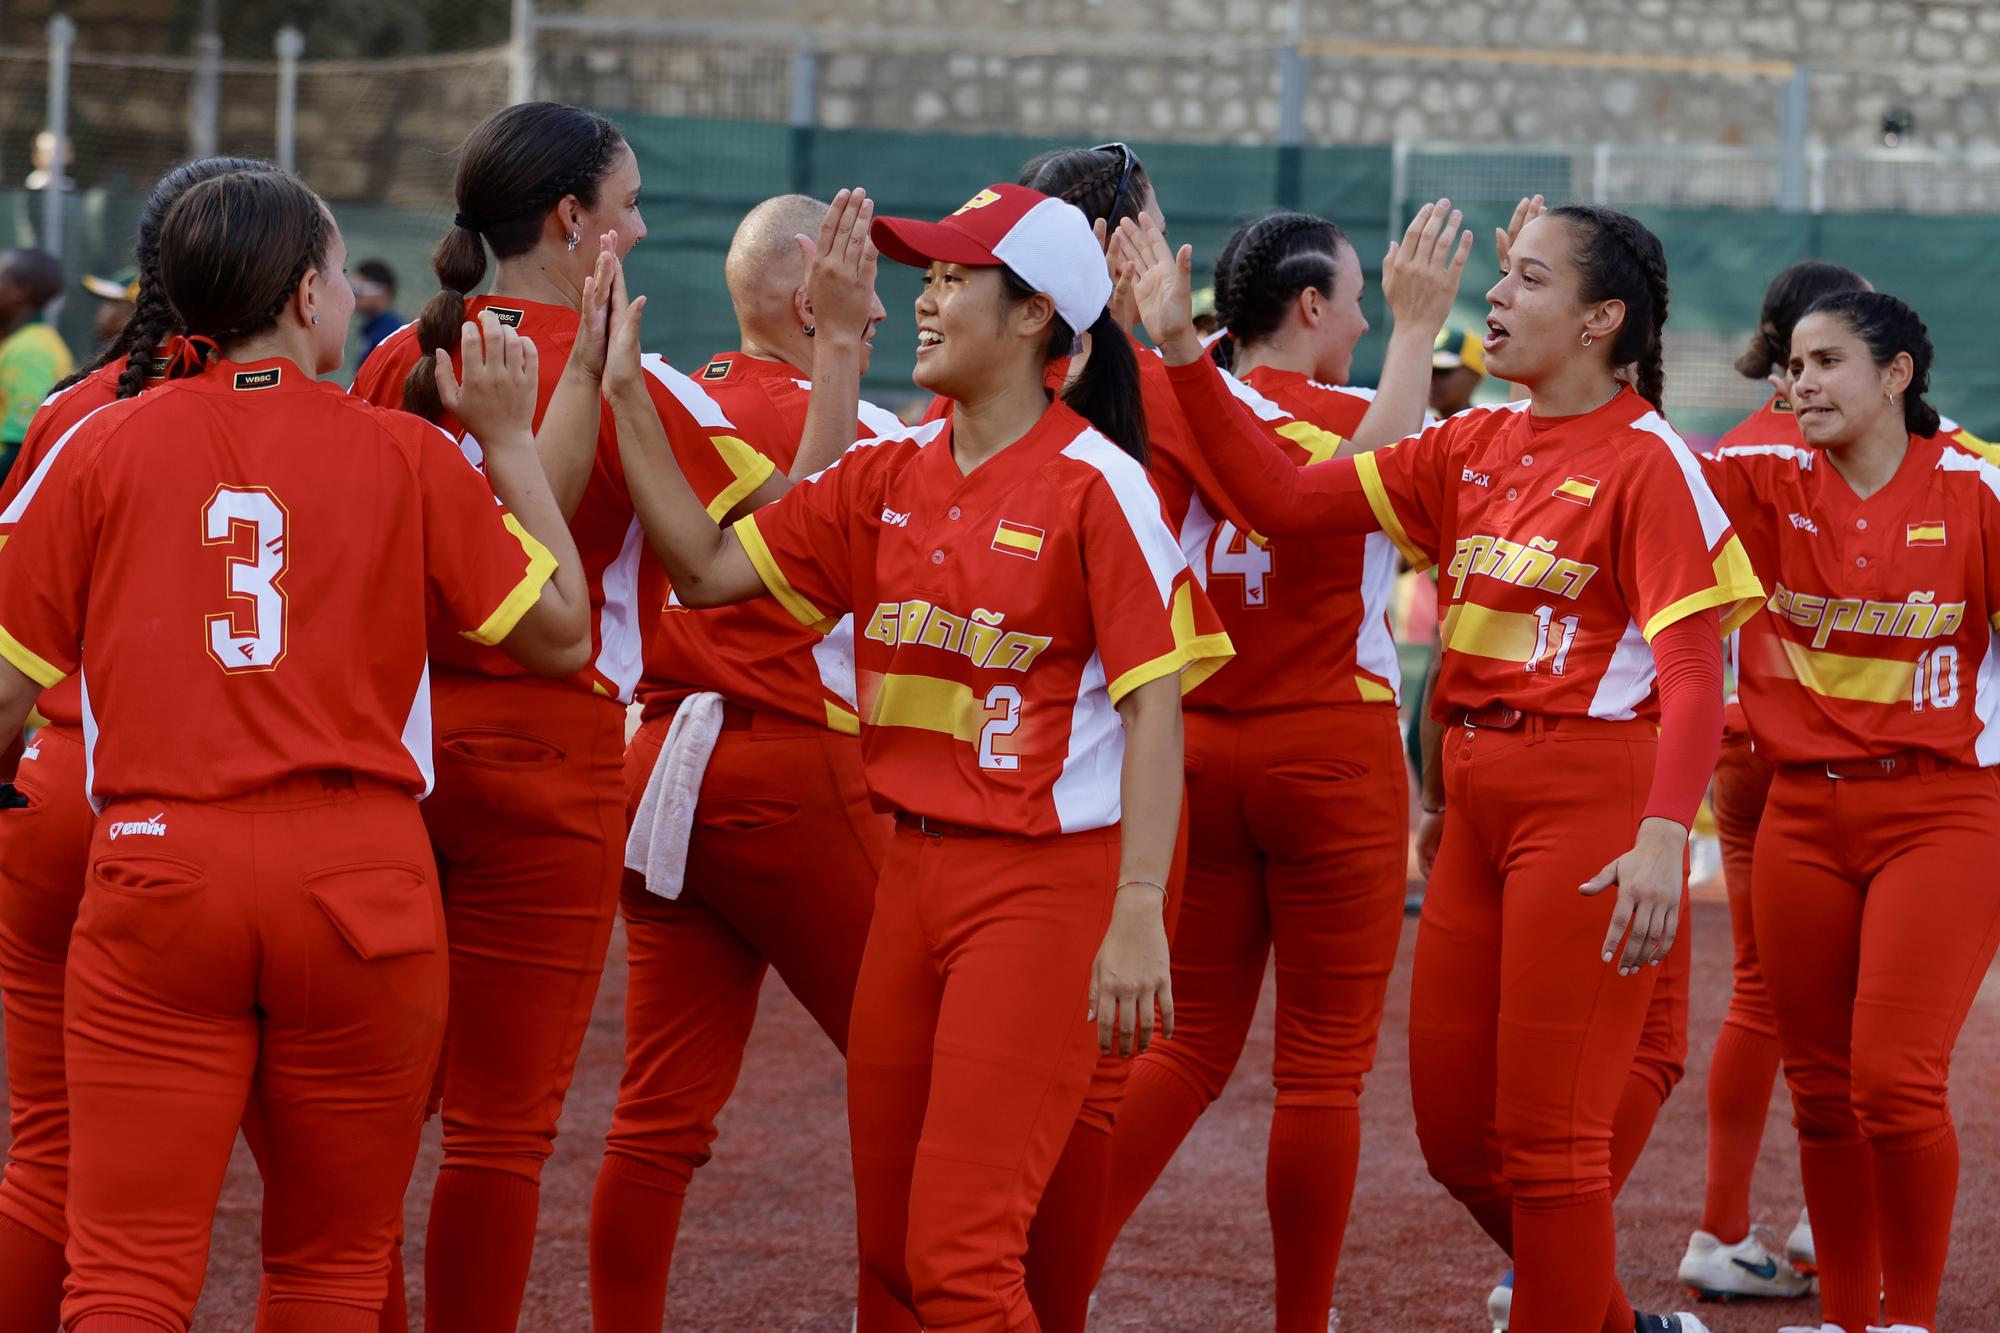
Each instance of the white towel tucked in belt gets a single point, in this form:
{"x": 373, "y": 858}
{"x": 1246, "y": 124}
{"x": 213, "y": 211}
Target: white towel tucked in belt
{"x": 657, "y": 847}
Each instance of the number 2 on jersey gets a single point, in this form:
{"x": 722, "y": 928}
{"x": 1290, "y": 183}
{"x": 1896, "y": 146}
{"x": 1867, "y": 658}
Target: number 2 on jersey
{"x": 250, "y": 635}
{"x": 1006, "y": 700}
{"x": 1235, "y": 554}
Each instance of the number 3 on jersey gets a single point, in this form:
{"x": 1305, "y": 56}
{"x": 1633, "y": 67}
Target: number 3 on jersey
{"x": 1233, "y": 553}
{"x": 250, "y": 634}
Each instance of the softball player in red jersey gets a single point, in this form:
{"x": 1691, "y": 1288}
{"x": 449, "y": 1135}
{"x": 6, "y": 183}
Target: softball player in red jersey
{"x": 782, "y": 805}
{"x": 290, "y": 847}
{"x": 528, "y": 821}
{"x": 1569, "y": 624}
{"x": 1868, "y": 685}
{"x": 1017, "y": 598}
{"x": 43, "y": 844}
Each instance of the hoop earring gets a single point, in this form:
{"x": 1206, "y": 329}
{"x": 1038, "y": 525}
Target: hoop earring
{"x": 574, "y": 241}
{"x": 808, "y": 329}
{"x": 1586, "y": 337}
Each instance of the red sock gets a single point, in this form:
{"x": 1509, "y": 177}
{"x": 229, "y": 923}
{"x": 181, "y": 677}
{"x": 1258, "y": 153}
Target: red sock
{"x": 32, "y": 1270}
{"x": 1061, "y": 1258}
{"x": 477, "y": 1250}
{"x": 395, "y": 1310}
{"x": 1308, "y": 1186}
{"x": 635, "y": 1216}
{"x": 1915, "y": 1188}
{"x": 877, "y": 1311}
{"x": 1631, "y": 1126}
{"x": 1156, "y": 1113}
{"x": 1740, "y": 1078}
{"x": 115, "y": 1322}
{"x": 1840, "y": 1194}
{"x": 290, "y": 1316}
{"x": 1565, "y": 1251}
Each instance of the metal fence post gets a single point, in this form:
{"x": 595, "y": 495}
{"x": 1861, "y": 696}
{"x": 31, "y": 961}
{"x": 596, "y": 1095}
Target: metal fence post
{"x": 1600, "y": 175}
{"x": 290, "y": 44}
{"x": 205, "y": 97}
{"x": 804, "y": 111}
{"x": 1794, "y": 110}
{"x": 62, "y": 36}
{"x": 521, "y": 65}
{"x": 1399, "y": 185}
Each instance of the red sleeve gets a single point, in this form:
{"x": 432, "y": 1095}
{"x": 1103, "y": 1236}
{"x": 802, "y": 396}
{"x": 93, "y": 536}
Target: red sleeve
{"x": 1688, "y": 654}
{"x": 719, "y": 466}
{"x": 802, "y": 542}
{"x": 1278, "y": 497}
{"x": 483, "y": 567}
{"x": 1678, "y": 553}
{"x": 45, "y": 571}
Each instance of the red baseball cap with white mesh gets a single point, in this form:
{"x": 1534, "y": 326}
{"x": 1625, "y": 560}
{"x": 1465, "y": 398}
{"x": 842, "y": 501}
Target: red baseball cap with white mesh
{"x": 1046, "y": 242}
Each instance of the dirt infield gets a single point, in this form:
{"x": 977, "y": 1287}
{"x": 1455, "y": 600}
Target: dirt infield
{"x": 767, "y": 1240}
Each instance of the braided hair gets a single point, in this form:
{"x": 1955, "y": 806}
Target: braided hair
{"x": 1089, "y": 178}
{"x": 514, "y": 167}
{"x": 233, "y": 251}
{"x": 1785, "y": 300}
{"x": 152, "y": 320}
{"x": 1889, "y": 326}
{"x": 1620, "y": 260}
{"x": 1263, "y": 268}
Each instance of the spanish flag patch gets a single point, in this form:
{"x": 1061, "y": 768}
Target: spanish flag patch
{"x": 1577, "y": 490}
{"x": 1924, "y": 534}
{"x": 1018, "y": 539}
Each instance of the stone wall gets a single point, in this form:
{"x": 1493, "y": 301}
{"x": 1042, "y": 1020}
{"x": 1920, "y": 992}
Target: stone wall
{"x": 1208, "y": 71}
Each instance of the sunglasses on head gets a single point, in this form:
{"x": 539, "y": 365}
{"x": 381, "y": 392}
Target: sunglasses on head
{"x": 1130, "y": 160}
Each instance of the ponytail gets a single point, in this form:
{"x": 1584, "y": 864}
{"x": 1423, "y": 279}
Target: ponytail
{"x": 1788, "y": 297}
{"x": 1889, "y": 326}
{"x": 1107, "y": 394}
{"x": 460, "y": 264}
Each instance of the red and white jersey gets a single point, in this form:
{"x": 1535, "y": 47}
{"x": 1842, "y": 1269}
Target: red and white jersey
{"x": 1000, "y": 617}
{"x": 1308, "y": 616}
{"x": 755, "y": 654}
{"x": 63, "y": 703}
{"x": 1776, "y": 423}
{"x": 1565, "y": 545}
{"x": 608, "y": 539}
{"x": 242, "y": 564}
{"x": 1880, "y": 632}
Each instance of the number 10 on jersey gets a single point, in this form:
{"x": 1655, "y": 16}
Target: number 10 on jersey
{"x": 250, "y": 634}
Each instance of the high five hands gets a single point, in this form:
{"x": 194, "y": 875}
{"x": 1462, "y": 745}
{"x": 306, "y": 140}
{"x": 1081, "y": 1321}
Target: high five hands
{"x": 840, "y": 267}
{"x": 1420, "y": 274}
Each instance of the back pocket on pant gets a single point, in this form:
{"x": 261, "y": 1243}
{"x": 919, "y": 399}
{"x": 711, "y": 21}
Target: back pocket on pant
{"x": 386, "y": 909}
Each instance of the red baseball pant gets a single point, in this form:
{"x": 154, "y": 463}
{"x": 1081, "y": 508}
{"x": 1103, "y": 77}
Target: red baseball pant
{"x": 1299, "y": 825}
{"x": 44, "y": 847}
{"x": 968, "y": 1058}
{"x": 781, "y": 873}
{"x": 1522, "y": 1039}
{"x": 277, "y": 954}
{"x": 1745, "y": 1064}
{"x": 528, "y": 824}
{"x": 1876, "y": 917}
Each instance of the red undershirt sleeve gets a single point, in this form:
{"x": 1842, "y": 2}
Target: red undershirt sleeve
{"x": 1688, "y": 654}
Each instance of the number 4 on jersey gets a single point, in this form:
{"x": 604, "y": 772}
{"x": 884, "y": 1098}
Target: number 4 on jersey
{"x": 1233, "y": 553}
{"x": 250, "y": 635}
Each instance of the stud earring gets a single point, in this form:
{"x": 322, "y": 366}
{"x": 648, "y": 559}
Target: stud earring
{"x": 574, "y": 241}
{"x": 808, "y": 329}
{"x": 315, "y": 319}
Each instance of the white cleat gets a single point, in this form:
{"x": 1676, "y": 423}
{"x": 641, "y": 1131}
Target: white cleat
{"x": 1670, "y": 1323}
{"x": 1713, "y": 1271}
{"x": 1812, "y": 1328}
{"x": 1500, "y": 1303}
{"x": 1799, "y": 1246}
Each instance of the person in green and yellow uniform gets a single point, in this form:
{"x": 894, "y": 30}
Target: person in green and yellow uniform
{"x": 32, "y": 355}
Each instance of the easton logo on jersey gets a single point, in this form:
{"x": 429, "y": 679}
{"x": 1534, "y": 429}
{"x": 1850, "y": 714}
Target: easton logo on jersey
{"x": 1018, "y": 539}
{"x": 511, "y": 318}
{"x": 248, "y": 380}
{"x": 1578, "y": 490}
{"x": 1924, "y": 534}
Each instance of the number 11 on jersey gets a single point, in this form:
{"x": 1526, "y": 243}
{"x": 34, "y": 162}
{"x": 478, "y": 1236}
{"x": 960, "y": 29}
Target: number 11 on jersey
{"x": 250, "y": 634}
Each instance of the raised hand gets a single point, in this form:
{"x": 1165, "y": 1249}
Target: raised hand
{"x": 622, "y": 371}
{"x": 1124, "y": 308}
{"x": 1162, "y": 289}
{"x": 840, "y": 267}
{"x": 495, "y": 391}
{"x": 593, "y": 330}
{"x": 1420, "y": 274}
{"x": 1524, "y": 212}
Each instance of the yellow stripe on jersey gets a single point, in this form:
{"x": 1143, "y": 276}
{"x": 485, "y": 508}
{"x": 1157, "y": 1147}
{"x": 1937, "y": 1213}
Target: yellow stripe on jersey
{"x": 1373, "y": 691}
{"x": 774, "y": 578}
{"x": 1319, "y": 444}
{"x": 526, "y": 593}
{"x": 750, "y": 468}
{"x": 842, "y": 720}
{"x": 1505, "y": 636}
{"x": 29, "y": 664}
{"x": 928, "y": 704}
{"x": 1972, "y": 444}
{"x": 1369, "y": 469}
{"x": 1737, "y": 593}
{"x": 1195, "y": 656}
{"x": 1838, "y": 676}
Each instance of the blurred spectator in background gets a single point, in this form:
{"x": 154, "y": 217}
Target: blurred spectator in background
{"x": 43, "y": 162}
{"x": 1205, "y": 321}
{"x": 374, "y": 297}
{"x": 32, "y": 355}
{"x": 116, "y": 297}
{"x": 1458, "y": 364}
